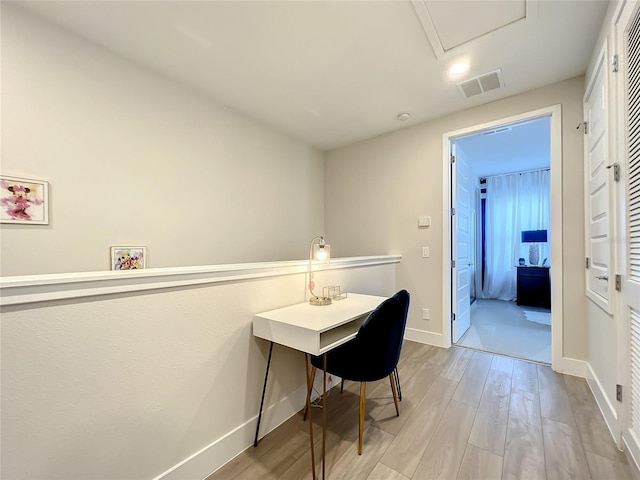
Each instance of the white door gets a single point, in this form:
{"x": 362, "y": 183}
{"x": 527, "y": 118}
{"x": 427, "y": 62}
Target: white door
{"x": 628, "y": 41}
{"x": 464, "y": 194}
{"x": 598, "y": 222}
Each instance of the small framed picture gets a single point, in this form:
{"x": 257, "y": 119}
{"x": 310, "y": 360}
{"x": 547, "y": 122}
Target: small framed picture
{"x": 128, "y": 258}
{"x": 24, "y": 201}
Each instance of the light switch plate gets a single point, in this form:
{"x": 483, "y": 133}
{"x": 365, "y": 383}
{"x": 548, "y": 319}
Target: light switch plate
{"x": 424, "y": 222}
{"x": 425, "y": 252}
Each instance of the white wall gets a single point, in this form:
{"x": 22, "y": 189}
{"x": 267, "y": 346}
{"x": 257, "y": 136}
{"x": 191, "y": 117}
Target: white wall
{"x": 376, "y": 189}
{"x": 128, "y": 386}
{"x": 133, "y": 159}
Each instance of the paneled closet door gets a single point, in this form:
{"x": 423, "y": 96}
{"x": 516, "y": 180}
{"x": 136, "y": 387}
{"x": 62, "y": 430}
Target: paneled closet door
{"x": 627, "y": 34}
{"x": 599, "y": 222}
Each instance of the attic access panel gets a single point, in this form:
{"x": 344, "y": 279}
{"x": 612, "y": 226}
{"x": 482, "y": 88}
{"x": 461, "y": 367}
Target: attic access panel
{"x": 455, "y": 22}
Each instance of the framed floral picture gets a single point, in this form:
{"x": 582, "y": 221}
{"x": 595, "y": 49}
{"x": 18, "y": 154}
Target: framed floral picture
{"x": 24, "y": 201}
{"x": 128, "y": 258}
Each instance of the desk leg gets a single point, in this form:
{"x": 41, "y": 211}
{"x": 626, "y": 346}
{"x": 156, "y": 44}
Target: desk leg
{"x": 313, "y": 454}
{"x": 264, "y": 389}
{"x": 324, "y": 409}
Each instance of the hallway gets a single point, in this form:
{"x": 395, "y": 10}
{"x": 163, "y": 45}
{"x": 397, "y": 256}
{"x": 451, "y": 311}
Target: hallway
{"x": 464, "y": 415}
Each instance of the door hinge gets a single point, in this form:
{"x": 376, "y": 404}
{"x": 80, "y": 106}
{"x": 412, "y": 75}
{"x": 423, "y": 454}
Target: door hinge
{"x": 619, "y": 392}
{"x": 453, "y": 211}
{"x": 618, "y": 283}
{"x": 453, "y": 159}
{"x": 453, "y": 264}
{"x": 586, "y": 126}
{"x": 453, "y": 317}
{"x": 616, "y": 171}
{"x": 586, "y": 262}
{"x": 614, "y": 63}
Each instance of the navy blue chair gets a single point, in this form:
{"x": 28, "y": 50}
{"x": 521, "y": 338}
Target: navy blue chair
{"x": 374, "y": 352}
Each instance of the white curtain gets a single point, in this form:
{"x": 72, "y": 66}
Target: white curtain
{"x": 514, "y": 203}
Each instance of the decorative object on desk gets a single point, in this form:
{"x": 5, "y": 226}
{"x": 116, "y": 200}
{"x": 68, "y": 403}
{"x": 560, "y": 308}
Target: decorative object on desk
{"x": 24, "y": 201}
{"x": 333, "y": 292}
{"x": 521, "y": 261}
{"x": 534, "y": 237}
{"x": 128, "y": 258}
{"x": 320, "y": 251}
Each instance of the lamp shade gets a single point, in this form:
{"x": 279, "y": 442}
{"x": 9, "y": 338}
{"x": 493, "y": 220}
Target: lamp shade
{"x": 319, "y": 251}
{"x": 534, "y": 236}
{"x": 322, "y": 252}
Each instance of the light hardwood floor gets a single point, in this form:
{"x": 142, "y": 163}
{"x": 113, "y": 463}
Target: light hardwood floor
{"x": 464, "y": 415}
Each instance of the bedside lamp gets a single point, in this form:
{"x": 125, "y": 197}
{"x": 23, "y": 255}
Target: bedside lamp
{"x": 318, "y": 250}
{"x": 534, "y": 237}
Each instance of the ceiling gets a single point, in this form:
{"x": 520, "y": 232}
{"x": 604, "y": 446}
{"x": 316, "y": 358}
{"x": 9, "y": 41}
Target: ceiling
{"x": 515, "y": 148}
{"x": 334, "y": 72}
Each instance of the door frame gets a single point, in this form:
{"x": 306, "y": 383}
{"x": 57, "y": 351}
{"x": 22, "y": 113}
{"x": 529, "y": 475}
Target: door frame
{"x": 554, "y": 112}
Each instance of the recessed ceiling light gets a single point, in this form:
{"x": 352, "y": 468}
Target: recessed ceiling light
{"x": 458, "y": 69}
{"x": 404, "y": 116}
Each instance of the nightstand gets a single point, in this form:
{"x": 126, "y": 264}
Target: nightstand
{"x": 534, "y": 286}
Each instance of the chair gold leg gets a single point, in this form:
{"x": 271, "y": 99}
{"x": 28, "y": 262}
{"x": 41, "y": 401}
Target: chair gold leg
{"x": 395, "y": 392}
{"x": 363, "y": 399}
{"x": 310, "y": 379}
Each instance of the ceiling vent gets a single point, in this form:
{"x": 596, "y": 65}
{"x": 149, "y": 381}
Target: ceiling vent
{"x": 481, "y": 84}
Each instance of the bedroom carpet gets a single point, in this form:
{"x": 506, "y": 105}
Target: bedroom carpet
{"x": 503, "y": 328}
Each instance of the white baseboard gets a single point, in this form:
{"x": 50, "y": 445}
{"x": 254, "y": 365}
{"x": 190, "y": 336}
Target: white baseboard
{"x": 632, "y": 456}
{"x": 573, "y": 367}
{"x": 213, "y": 456}
{"x": 608, "y": 410}
{"x": 422, "y": 336}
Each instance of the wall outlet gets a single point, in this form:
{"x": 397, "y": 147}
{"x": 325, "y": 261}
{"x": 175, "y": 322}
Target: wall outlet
{"x": 425, "y": 314}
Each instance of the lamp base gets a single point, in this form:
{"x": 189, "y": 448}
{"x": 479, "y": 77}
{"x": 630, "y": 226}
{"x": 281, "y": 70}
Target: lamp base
{"x": 319, "y": 301}
{"x": 534, "y": 254}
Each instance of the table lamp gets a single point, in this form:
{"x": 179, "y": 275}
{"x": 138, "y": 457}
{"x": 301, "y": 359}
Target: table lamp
{"x": 320, "y": 251}
{"x": 534, "y": 237}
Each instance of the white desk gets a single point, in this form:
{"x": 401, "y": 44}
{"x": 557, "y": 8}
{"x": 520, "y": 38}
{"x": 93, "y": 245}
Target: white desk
{"x": 313, "y": 330}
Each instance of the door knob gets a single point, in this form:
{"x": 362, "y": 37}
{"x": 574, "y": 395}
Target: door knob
{"x": 602, "y": 277}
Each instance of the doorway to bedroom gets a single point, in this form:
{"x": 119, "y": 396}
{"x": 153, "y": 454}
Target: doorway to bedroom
{"x": 501, "y": 232}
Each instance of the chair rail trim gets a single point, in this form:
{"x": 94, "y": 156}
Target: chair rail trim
{"x": 25, "y": 289}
